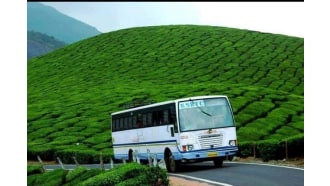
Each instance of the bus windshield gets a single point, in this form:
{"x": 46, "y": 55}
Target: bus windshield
{"x": 205, "y": 114}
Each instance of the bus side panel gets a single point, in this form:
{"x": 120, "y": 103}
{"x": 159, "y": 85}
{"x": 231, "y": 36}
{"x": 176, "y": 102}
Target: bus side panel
{"x": 144, "y": 141}
{"x": 122, "y": 142}
{"x": 155, "y": 140}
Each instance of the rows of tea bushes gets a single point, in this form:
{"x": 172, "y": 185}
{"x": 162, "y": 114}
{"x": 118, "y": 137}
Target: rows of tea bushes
{"x": 273, "y": 148}
{"x": 72, "y": 91}
{"x": 127, "y": 174}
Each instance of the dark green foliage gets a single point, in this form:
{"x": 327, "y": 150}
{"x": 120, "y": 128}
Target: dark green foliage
{"x": 79, "y": 175}
{"x": 129, "y": 174}
{"x": 34, "y": 169}
{"x": 75, "y": 173}
{"x": 268, "y": 149}
{"x": 83, "y": 155}
{"x": 152, "y": 176}
{"x": 116, "y": 175}
{"x": 273, "y": 148}
{"x": 246, "y": 149}
{"x": 51, "y": 178}
{"x": 71, "y": 91}
{"x": 45, "y": 151}
{"x": 296, "y": 145}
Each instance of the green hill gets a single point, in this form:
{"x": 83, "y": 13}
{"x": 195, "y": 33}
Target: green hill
{"x": 71, "y": 91}
{"x": 49, "y": 21}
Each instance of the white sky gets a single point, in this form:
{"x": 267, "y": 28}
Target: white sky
{"x": 280, "y": 18}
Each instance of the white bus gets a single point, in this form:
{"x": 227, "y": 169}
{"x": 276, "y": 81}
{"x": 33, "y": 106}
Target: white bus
{"x": 179, "y": 131}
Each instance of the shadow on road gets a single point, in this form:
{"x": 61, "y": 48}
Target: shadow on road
{"x": 193, "y": 167}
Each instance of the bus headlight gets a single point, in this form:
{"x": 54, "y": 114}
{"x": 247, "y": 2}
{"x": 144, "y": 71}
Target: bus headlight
{"x": 187, "y": 147}
{"x": 232, "y": 142}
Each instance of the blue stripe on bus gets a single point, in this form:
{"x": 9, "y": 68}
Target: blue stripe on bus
{"x": 234, "y": 148}
{"x": 143, "y": 143}
{"x": 228, "y": 148}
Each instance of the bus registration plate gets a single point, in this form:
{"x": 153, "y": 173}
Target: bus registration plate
{"x": 212, "y": 154}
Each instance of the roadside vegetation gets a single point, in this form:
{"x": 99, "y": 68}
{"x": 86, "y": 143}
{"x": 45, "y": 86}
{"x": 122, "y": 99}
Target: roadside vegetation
{"x": 72, "y": 91}
{"x": 130, "y": 174}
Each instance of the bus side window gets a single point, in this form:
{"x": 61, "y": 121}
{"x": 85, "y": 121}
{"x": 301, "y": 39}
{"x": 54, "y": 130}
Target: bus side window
{"x": 134, "y": 122}
{"x": 154, "y": 118}
{"x": 172, "y": 119}
{"x": 139, "y": 123}
{"x": 130, "y": 124}
{"x": 144, "y": 120}
{"x": 157, "y": 118}
{"x": 113, "y": 123}
{"x": 121, "y": 125}
{"x": 126, "y": 123}
{"x": 149, "y": 119}
{"x": 165, "y": 117}
{"x": 117, "y": 124}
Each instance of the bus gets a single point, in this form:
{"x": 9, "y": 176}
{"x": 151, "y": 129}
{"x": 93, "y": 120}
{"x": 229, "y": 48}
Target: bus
{"x": 186, "y": 130}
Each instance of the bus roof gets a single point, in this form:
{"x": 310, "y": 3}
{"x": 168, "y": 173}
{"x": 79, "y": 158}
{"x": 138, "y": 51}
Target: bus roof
{"x": 168, "y": 102}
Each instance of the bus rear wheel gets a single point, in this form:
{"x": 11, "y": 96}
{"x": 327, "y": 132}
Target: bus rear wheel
{"x": 130, "y": 155}
{"x": 218, "y": 162}
{"x": 171, "y": 164}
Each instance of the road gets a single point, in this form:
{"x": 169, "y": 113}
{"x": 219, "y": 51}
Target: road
{"x": 242, "y": 174}
{"x": 232, "y": 173}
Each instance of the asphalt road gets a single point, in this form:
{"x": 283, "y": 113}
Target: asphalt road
{"x": 232, "y": 173}
{"x": 242, "y": 174}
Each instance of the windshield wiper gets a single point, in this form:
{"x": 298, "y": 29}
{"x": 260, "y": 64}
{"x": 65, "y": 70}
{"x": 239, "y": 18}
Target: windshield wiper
{"x": 204, "y": 112}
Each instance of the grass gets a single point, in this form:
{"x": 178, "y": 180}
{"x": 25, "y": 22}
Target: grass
{"x": 71, "y": 91}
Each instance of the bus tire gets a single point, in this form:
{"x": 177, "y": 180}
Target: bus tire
{"x": 171, "y": 164}
{"x": 218, "y": 162}
{"x": 230, "y": 158}
{"x": 130, "y": 155}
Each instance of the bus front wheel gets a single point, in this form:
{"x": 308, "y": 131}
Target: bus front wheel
{"x": 130, "y": 155}
{"x": 171, "y": 164}
{"x": 218, "y": 162}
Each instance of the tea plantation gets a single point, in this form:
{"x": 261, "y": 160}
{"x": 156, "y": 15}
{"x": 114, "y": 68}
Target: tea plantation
{"x": 72, "y": 90}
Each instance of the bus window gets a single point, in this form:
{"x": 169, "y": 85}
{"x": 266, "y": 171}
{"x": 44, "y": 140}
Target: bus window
{"x": 161, "y": 117}
{"x": 154, "y": 118}
{"x": 139, "y": 123}
{"x": 124, "y": 123}
{"x": 149, "y": 119}
{"x": 126, "y": 126}
{"x": 121, "y": 125}
{"x": 166, "y": 117}
{"x": 134, "y": 122}
{"x": 157, "y": 118}
{"x": 114, "y": 125}
{"x": 130, "y": 124}
{"x": 144, "y": 119}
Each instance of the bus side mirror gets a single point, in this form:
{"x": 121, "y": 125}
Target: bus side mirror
{"x": 172, "y": 131}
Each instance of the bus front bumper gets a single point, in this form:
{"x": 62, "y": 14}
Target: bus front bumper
{"x": 209, "y": 153}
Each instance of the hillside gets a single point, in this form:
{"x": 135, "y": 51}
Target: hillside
{"x": 72, "y": 90}
{"x": 38, "y": 44}
{"x": 49, "y": 21}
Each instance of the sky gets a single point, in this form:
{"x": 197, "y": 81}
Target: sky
{"x": 278, "y": 18}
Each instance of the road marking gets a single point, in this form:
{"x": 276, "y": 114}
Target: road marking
{"x": 267, "y": 165}
{"x": 199, "y": 179}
